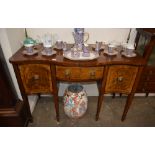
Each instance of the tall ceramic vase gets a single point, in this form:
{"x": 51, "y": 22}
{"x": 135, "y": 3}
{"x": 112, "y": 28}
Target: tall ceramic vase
{"x": 75, "y": 101}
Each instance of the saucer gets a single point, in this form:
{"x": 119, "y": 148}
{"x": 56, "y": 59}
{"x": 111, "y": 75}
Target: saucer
{"x": 129, "y": 55}
{"x": 48, "y": 54}
{"x": 112, "y": 53}
{"x": 30, "y": 53}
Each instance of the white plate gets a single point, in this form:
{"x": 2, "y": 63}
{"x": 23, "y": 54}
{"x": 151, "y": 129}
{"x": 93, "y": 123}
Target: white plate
{"x": 112, "y": 53}
{"x": 30, "y": 53}
{"x": 129, "y": 56}
{"x": 81, "y": 58}
{"x": 48, "y": 54}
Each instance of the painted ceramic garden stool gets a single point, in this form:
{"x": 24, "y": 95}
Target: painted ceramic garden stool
{"x": 75, "y": 101}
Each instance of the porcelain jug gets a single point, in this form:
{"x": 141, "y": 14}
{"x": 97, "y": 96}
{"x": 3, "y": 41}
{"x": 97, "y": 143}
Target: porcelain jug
{"x": 79, "y": 35}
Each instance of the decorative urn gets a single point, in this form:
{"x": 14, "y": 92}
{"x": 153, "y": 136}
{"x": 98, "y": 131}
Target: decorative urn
{"x": 75, "y": 101}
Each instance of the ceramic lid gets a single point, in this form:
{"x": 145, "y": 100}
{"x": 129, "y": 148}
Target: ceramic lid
{"x": 29, "y": 42}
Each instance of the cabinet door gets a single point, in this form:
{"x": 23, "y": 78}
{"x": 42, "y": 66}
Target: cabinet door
{"x": 120, "y": 79}
{"x": 36, "y": 78}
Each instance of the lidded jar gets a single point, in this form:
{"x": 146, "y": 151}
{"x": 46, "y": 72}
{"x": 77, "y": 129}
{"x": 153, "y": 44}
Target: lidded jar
{"x": 75, "y": 101}
{"x": 28, "y": 44}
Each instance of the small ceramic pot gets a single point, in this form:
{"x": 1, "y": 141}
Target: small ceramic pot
{"x": 29, "y": 48}
{"x": 129, "y": 49}
{"x": 98, "y": 46}
{"x": 75, "y": 101}
{"x": 29, "y": 43}
{"x": 111, "y": 48}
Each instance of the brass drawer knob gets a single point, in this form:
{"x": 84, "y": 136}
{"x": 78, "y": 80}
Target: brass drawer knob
{"x": 36, "y": 77}
{"x": 67, "y": 73}
{"x": 92, "y": 75}
{"x": 120, "y": 79}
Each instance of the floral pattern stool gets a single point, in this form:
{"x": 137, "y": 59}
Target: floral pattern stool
{"x": 75, "y": 101}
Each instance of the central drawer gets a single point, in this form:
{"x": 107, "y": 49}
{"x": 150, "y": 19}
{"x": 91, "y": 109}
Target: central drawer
{"x": 79, "y": 73}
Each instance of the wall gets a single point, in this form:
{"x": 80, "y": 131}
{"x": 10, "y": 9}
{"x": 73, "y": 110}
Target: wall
{"x": 15, "y": 37}
{"x": 100, "y": 34}
{"x": 10, "y": 42}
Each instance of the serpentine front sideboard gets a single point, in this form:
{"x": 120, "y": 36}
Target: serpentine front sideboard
{"x": 41, "y": 74}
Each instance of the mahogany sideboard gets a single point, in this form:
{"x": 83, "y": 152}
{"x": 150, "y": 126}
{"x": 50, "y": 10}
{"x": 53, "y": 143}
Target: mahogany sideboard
{"x": 41, "y": 74}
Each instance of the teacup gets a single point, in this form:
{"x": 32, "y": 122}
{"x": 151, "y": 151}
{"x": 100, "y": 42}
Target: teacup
{"x": 129, "y": 49}
{"x": 111, "y": 48}
{"x": 98, "y": 46}
{"x": 29, "y": 48}
{"x": 75, "y": 53}
{"x": 64, "y": 46}
{"x": 86, "y": 52}
{"x": 47, "y": 40}
{"x": 48, "y": 50}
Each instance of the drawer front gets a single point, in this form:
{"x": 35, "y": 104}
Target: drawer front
{"x": 120, "y": 79}
{"x": 36, "y": 78}
{"x": 92, "y": 73}
{"x": 79, "y": 73}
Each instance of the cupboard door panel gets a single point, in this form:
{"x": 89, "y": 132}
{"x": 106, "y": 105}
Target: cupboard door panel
{"x": 36, "y": 78}
{"x": 120, "y": 79}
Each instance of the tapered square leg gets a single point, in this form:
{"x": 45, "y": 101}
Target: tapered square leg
{"x": 100, "y": 100}
{"x": 127, "y": 105}
{"x": 56, "y": 106}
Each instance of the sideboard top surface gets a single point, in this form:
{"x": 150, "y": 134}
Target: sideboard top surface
{"x": 58, "y": 59}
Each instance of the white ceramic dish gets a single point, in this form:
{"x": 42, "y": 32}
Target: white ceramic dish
{"x": 48, "y": 54}
{"x": 30, "y": 53}
{"x": 129, "y": 56}
{"x": 81, "y": 58}
{"x": 112, "y": 53}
